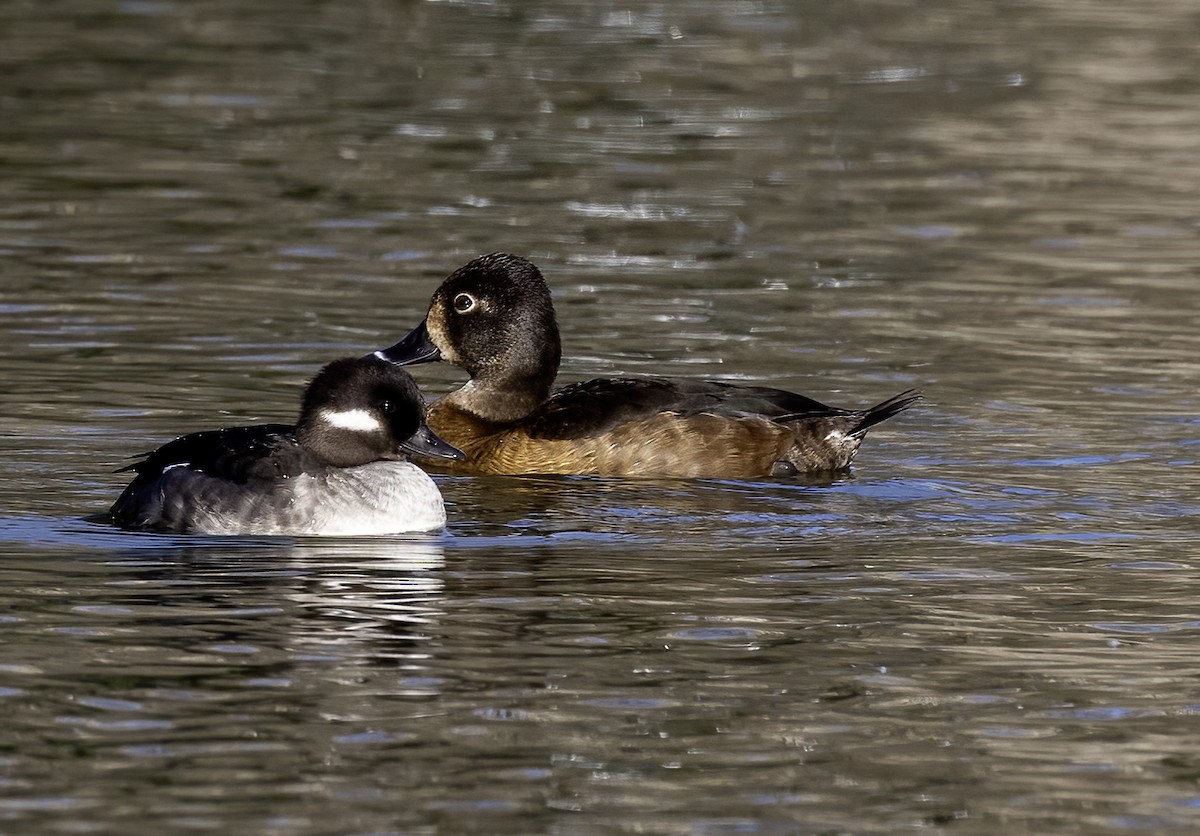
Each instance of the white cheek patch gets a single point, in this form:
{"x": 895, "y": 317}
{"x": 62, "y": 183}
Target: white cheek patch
{"x": 359, "y": 420}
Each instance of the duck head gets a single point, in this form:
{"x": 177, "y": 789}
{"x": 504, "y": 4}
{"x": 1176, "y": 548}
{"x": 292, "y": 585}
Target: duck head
{"x": 361, "y": 410}
{"x": 493, "y": 317}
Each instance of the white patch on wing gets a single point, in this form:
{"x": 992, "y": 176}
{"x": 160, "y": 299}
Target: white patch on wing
{"x": 359, "y": 420}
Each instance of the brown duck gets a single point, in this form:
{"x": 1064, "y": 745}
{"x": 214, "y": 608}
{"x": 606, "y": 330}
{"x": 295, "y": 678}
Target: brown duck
{"x": 494, "y": 318}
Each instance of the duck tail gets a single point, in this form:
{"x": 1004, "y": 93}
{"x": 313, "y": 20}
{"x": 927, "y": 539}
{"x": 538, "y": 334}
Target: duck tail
{"x": 885, "y": 410}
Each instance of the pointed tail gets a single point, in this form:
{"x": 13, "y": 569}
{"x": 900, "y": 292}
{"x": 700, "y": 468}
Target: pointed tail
{"x": 883, "y": 411}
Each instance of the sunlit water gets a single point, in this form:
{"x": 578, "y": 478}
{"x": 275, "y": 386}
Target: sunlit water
{"x": 990, "y": 626}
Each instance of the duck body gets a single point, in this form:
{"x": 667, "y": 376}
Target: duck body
{"x": 260, "y": 480}
{"x": 494, "y": 318}
{"x": 341, "y": 470}
{"x": 653, "y": 427}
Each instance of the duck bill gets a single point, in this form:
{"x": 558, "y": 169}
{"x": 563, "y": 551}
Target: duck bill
{"x": 425, "y": 442}
{"x": 414, "y": 348}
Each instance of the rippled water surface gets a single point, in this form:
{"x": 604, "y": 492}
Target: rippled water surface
{"x": 991, "y": 626}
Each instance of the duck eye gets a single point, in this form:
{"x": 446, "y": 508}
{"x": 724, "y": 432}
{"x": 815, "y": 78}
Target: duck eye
{"x": 464, "y": 303}
{"x": 387, "y": 407}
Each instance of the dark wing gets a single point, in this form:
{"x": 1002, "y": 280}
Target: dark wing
{"x": 593, "y": 407}
{"x": 239, "y": 454}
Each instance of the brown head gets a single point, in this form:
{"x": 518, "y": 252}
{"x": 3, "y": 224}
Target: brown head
{"x": 493, "y": 317}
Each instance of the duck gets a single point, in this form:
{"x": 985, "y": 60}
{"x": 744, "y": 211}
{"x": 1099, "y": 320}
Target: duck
{"x": 494, "y": 318}
{"x": 340, "y": 470}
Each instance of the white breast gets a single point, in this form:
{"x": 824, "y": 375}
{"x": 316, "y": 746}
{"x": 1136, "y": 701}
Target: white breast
{"x": 376, "y": 498}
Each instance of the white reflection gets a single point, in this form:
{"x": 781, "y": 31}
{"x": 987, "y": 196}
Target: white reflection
{"x": 373, "y": 578}
{"x": 367, "y": 611}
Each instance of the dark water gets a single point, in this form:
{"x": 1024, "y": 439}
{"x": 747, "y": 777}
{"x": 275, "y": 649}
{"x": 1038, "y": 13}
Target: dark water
{"x": 990, "y": 627}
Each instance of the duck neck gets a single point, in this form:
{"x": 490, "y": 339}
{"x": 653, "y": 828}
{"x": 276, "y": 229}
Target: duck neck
{"x": 503, "y": 400}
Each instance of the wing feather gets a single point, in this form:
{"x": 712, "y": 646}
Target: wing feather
{"x": 237, "y": 454}
{"x": 594, "y": 407}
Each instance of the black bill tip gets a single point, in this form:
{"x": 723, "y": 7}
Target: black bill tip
{"x": 415, "y": 348}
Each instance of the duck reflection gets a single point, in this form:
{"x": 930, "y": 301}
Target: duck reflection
{"x": 267, "y": 605}
{"x": 637, "y": 510}
{"x": 365, "y": 599}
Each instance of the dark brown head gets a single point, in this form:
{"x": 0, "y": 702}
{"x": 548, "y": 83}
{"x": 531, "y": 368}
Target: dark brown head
{"x": 493, "y": 317}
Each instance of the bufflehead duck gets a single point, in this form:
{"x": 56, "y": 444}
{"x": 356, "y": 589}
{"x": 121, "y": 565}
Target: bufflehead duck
{"x": 494, "y": 318}
{"x": 340, "y": 470}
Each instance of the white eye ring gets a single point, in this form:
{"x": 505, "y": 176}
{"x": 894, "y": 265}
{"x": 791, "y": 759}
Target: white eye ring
{"x": 464, "y": 303}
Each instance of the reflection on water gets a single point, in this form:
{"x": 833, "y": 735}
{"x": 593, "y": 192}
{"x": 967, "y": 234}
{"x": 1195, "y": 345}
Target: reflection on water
{"x": 989, "y": 624}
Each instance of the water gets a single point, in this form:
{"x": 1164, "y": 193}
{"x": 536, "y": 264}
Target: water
{"x": 989, "y": 627}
